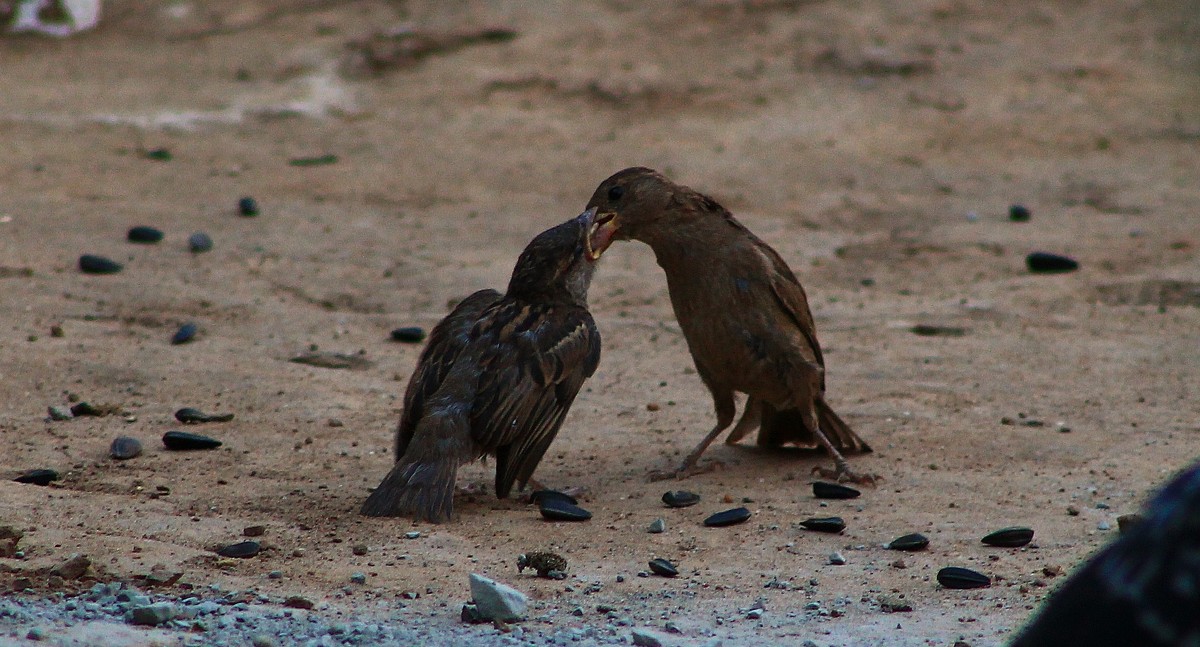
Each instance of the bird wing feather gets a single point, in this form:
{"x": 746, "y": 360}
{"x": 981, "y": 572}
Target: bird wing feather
{"x": 447, "y": 341}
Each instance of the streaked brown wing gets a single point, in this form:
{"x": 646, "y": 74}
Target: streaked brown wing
{"x": 446, "y": 342}
{"x": 540, "y": 357}
{"x": 791, "y": 299}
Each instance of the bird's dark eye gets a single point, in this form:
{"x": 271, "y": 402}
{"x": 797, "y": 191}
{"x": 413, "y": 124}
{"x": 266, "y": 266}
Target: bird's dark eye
{"x": 615, "y": 193}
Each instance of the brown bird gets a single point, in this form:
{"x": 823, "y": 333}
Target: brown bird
{"x": 497, "y": 378}
{"x": 744, "y": 314}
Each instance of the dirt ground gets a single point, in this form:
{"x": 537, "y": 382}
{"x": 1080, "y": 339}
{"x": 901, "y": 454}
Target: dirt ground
{"x": 876, "y": 145}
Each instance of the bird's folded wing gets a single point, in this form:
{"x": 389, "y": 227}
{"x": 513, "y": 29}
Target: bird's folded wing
{"x": 446, "y": 343}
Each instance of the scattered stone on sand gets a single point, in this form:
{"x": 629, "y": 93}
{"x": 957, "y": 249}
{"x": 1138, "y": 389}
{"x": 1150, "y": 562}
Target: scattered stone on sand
{"x": 646, "y": 638}
{"x": 247, "y": 206}
{"x": 894, "y": 604}
{"x": 837, "y": 558}
{"x": 298, "y": 602}
{"x": 256, "y": 530}
{"x": 124, "y": 448}
{"x": 74, "y": 568}
{"x": 9, "y": 538}
{"x": 151, "y": 614}
{"x": 199, "y": 243}
{"x": 59, "y": 412}
{"x": 1019, "y": 213}
{"x": 656, "y": 526}
{"x": 495, "y": 601}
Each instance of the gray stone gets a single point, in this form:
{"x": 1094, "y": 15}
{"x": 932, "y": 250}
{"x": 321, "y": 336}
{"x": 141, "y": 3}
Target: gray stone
{"x": 151, "y": 614}
{"x": 657, "y": 526}
{"x": 58, "y": 412}
{"x": 646, "y": 638}
{"x": 837, "y": 559}
{"x": 496, "y": 601}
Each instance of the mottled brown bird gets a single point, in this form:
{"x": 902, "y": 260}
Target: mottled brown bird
{"x": 497, "y": 378}
{"x": 744, "y": 314}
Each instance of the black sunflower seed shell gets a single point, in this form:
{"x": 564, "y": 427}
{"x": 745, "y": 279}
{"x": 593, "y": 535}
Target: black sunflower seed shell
{"x": 182, "y": 441}
{"x": 37, "y": 477}
{"x": 190, "y": 416}
{"x": 660, "y": 566}
{"x": 680, "y": 498}
{"x": 728, "y": 518}
{"x": 241, "y": 550}
{"x": 92, "y": 264}
{"x": 825, "y": 524}
{"x": 409, "y": 335}
{"x": 560, "y": 510}
{"x": 1013, "y": 537}
{"x": 1047, "y": 263}
{"x": 826, "y": 490}
{"x": 912, "y": 543}
{"x": 541, "y": 496}
{"x": 185, "y": 333}
{"x": 143, "y": 234}
{"x": 955, "y": 577}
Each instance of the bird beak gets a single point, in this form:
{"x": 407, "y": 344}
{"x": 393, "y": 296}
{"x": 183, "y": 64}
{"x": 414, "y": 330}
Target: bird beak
{"x": 600, "y": 236}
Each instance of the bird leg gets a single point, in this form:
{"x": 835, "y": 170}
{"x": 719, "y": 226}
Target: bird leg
{"x": 842, "y": 472}
{"x": 725, "y": 410}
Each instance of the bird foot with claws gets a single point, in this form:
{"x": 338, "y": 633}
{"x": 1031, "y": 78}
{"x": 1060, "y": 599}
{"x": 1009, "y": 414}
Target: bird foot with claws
{"x": 843, "y": 474}
{"x": 684, "y": 471}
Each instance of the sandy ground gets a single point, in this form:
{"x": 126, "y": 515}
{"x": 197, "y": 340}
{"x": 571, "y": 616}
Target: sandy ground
{"x": 876, "y": 145}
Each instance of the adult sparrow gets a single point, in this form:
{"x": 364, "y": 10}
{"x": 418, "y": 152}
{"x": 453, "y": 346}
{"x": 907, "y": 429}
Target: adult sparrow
{"x": 744, "y": 314}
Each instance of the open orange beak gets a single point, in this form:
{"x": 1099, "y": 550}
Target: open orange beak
{"x": 603, "y": 230}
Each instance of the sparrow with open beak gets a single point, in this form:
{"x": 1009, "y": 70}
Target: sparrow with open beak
{"x": 744, "y": 314}
{"x": 497, "y": 378}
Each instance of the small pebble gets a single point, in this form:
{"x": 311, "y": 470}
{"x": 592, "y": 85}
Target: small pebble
{"x": 660, "y": 566}
{"x": 1046, "y": 263}
{"x": 80, "y": 409}
{"x": 124, "y": 448}
{"x": 241, "y": 550}
{"x": 358, "y": 578}
{"x": 59, "y": 412}
{"x": 199, "y": 242}
{"x": 275, "y": 575}
{"x": 254, "y": 531}
{"x": 1104, "y": 525}
{"x": 38, "y": 477}
{"x": 560, "y": 510}
{"x": 727, "y": 518}
{"x": 143, "y": 234}
{"x": 182, "y": 441}
{"x": 92, "y": 264}
{"x": 656, "y": 526}
{"x": 412, "y": 534}
{"x": 185, "y": 333}
{"x": 248, "y": 206}
{"x": 1019, "y": 213}
{"x": 409, "y": 335}
{"x": 837, "y": 559}
{"x": 35, "y": 634}
{"x": 263, "y": 640}
{"x": 158, "y": 154}
{"x": 359, "y": 549}
{"x": 680, "y": 499}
